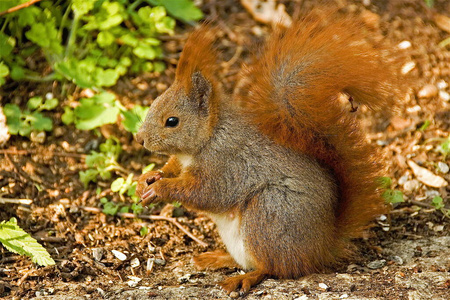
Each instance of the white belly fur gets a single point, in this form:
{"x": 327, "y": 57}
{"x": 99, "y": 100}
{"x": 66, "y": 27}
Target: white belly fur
{"x": 230, "y": 232}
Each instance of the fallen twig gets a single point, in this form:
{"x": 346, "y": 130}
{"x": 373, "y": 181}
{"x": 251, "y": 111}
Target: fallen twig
{"x": 150, "y": 217}
{"x": 18, "y": 7}
{"x": 47, "y": 153}
{"x": 15, "y": 201}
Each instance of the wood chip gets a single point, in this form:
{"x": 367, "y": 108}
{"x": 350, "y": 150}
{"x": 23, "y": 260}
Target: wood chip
{"x": 443, "y": 22}
{"x": 427, "y": 177}
{"x": 268, "y": 12}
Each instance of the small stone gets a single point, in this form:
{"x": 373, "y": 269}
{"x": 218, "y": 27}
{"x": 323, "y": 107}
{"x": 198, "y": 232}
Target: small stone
{"x": 428, "y": 91}
{"x": 38, "y": 137}
{"x": 303, "y": 297}
{"x": 382, "y": 218}
{"x": 443, "y": 167}
{"x": 427, "y": 177}
{"x": 404, "y": 45}
{"x": 376, "y": 264}
{"x": 438, "y": 228}
{"x": 403, "y": 179}
{"x": 135, "y": 262}
{"x": 97, "y": 253}
{"x": 397, "y": 259}
{"x": 323, "y": 286}
{"x": 408, "y": 67}
{"x": 160, "y": 262}
{"x": 49, "y": 96}
{"x": 441, "y": 84}
{"x": 366, "y": 2}
{"x": 185, "y": 278}
{"x": 443, "y": 95}
{"x": 343, "y": 296}
{"x": 234, "y": 295}
{"x": 411, "y": 185}
{"x": 119, "y": 255}
{"x": 134, "y": 281}
{"x": 432, "y": 193}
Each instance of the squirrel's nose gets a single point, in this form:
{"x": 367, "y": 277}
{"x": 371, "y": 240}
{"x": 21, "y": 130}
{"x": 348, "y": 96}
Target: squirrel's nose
{"x": 139, "y": 138}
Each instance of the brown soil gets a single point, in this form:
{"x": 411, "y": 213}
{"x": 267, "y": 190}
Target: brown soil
{"x": 406, "y": 256}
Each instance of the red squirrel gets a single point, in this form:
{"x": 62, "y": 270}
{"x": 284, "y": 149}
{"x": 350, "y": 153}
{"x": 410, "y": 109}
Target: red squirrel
{"x": 281, "y": 165}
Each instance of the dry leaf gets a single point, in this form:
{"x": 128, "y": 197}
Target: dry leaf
{"x": 443, "y": 22}
{"x": 267, "y": 12}
{"x": 427, "y": 177}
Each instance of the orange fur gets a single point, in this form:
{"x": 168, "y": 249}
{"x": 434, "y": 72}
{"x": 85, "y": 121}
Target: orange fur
{"x": 198, "y": 55}
{"x": 291, "y": 93}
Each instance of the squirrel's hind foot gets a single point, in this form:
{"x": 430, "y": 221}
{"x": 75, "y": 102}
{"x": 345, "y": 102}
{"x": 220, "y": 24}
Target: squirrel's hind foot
{"x": 245, "y": 281}
{"x": 214, "y": 260}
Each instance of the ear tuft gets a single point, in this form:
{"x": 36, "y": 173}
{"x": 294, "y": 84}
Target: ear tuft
{"x": 201, "y": 92}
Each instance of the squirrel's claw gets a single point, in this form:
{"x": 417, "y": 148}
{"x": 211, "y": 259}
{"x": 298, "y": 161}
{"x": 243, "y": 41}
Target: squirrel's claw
{"x": 148, "y": 197}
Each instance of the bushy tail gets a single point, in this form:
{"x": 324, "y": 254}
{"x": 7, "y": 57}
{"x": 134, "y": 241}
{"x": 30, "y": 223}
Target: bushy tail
{"x": 292, "y": 93}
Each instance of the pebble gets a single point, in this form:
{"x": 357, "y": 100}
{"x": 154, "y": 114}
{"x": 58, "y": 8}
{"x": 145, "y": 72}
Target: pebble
{"x": 431, "y": 193}
{"x": 428, "y": 91}
{"x": 160, "y": 262}
{"x": 404, "y": 45}
{"x": 97, "y": 253}
{"x": 376, "y": 264}
{"x": 441, "y": 84}
{"x": 402, "y": 180}
{"x": 323, "y": 286}
{"x": 408, "y": 67}
{"x": 444, "y": 96}
{"x": 411, "y": 185}
{"x": 303, "y": 297}
{"x": 443, "y": 167}
{"x": 135, "y": 262}
{"x": 38, "y": 137}
{"x": 397, "y": 259}
{"x": 234, "y": 295}
{"x": 119, "y": 255}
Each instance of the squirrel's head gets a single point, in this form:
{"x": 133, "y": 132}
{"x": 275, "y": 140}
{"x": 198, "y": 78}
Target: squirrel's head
{"x": 180, "y": 120}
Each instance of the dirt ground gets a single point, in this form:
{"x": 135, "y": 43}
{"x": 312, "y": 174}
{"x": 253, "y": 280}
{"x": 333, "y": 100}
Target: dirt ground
{"x": 405, "y": 256}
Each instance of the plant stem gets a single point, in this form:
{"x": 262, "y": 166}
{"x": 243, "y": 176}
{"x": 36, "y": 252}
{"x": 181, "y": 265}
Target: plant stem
{"x": 72, "y": 36}
{"x": 18, "y": 7}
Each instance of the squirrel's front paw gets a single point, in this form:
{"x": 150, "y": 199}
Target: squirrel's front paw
{"x": 146, "y": 180}
{"x": 150, "y": 195}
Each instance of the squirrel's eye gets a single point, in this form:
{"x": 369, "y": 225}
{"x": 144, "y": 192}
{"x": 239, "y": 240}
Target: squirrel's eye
{"x": 172, "y": 122}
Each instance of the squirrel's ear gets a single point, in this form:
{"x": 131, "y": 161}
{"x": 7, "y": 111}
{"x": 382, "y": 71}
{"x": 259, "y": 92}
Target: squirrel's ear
{"x": 201, "y": 92}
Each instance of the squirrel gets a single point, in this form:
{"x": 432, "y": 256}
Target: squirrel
{"x": 281, "y": 165}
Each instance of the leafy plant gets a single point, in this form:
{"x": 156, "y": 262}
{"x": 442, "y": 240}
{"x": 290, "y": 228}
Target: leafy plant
{"x": 91, "y": 43}
{"x": 390, "y": 195}
{"x": 438, "y": 204}
{"x": 102, "y": 163}
{"x": 29, "y": 120}
{"x": 444, "y": 147}
{"x": 16, "y": 240}
{"x": 101, "y": 109}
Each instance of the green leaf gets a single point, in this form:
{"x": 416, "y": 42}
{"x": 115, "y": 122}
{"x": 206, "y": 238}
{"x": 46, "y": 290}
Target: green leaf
{"x": 438, "y": 202}
{"x": 4, "y": 70}
{"x": 425, "y": 125}
{"x": 148, "y": 168}
{"x": 50, "y": 104}
{"x": 117, "y": 184}
{"x": 15, "y": 239}
{"x": 145, "y": 51}
{"x": 132, "y": 119}
{"x": 34, "y": 102}
{"x": 5, "y": 45}
{"x": 38, "y": 35}
{"x": 143, "y": 231}
{"x": 68, "y": 116}
{"x": 96, "y": 111}
{"x": 110, "y": 208}
{"x": 13, "y": 114}
{"x": 385, "y": 182}
{"x": 82, "y": 7}
{"x": 184, "y": 10}
{"x": 88, "y": 176}
{"x": 40, "y": 123}
{"x": 105, "y": 38}
{"x": 393, "y": 196}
